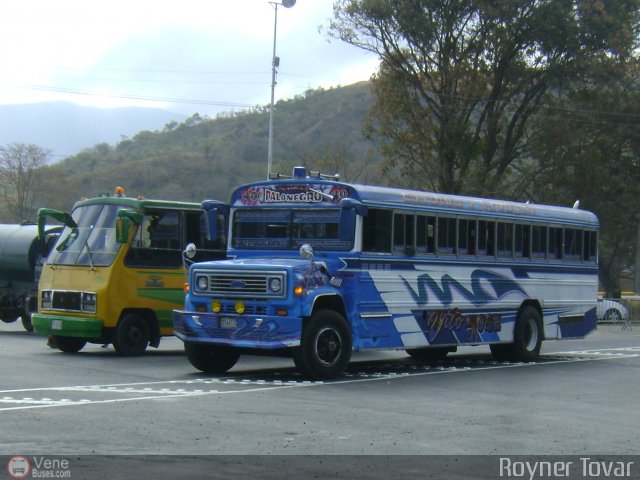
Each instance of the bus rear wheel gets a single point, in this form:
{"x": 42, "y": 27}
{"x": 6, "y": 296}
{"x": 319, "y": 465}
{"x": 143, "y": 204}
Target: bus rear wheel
{"x": 325, "y": 346}
{"x": 527, "y": 338}
{"x": 211, "y": 358}
{"x": 131, "y": 336}
{"x": 69, "y": 344}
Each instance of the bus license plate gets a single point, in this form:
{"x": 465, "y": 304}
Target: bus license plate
{"x": 228, "y": 322}
{"x": 56, "y": 324}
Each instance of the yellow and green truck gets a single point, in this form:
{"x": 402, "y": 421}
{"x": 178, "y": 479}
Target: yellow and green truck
{"x": 117, "y": 271}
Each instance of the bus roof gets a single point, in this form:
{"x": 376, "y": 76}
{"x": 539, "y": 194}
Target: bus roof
{"x": 321, "y": 193}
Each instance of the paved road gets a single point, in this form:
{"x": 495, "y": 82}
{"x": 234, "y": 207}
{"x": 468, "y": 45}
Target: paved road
{"x": 579, "y": 399}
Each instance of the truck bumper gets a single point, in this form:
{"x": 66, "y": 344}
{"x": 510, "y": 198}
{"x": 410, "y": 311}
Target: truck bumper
{"x": 243, "y": 331}
{"x": 64, "y": 326}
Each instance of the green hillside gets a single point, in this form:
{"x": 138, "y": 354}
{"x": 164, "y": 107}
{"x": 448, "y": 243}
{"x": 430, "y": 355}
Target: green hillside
{"x": 206, "y": 158}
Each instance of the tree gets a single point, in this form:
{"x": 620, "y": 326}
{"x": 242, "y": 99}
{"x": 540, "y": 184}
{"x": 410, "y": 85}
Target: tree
{"x": 589, "y": 149}
{"x": 18, "y": 167}
{"x": 460, "y": 80}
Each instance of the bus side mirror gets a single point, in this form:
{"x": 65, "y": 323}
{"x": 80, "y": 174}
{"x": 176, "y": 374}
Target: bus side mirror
{"x": 212, "y": 210}
{"x": 126, "y": 218}
{"x": 349, "y": 210}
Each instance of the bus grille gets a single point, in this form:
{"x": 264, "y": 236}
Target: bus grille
{"x": 241, "y": 284}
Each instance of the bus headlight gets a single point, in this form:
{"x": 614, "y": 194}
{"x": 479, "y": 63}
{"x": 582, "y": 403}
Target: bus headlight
{"x": 275, "y": 285}
{"x": 202, "y": 282}
{"x": 216, "y": 306}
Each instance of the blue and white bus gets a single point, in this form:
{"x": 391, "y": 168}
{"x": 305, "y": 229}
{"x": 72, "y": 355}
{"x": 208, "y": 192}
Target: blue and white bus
{"x": 319, "y": 269}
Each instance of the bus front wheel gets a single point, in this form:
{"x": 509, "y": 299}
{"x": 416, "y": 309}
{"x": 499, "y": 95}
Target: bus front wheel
{"x": 211, "y": 358}
{"x": 325, "y": 346}
{"x": 131, "y": 336}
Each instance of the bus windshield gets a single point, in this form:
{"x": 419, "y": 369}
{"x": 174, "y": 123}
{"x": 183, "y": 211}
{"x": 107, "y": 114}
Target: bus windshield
{"x": 92, "y": 242}
{"x": 287, "y": 229}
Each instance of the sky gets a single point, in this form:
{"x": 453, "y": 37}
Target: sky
{"x": 187, "y": 56}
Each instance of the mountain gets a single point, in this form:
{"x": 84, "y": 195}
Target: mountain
{"x": 202, "y": 158}
{"x": 67, "y": 128}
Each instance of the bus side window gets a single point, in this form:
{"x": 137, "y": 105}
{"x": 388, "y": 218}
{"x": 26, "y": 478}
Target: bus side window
{"x": 376, "y": 231}
{"x": 555, "y": 243}
{"x": 573, "y": 244}
{"x": 486, "y": 238}
{"x": 446, "y": 235}
{"x": 522, "y": 242}
{"x": 425, "y": 234}
{"x": 403, "y": 233}
{"x": 590, "y": 246}
{"x": 539, "y": 241}
{"x": 505, "y": 239}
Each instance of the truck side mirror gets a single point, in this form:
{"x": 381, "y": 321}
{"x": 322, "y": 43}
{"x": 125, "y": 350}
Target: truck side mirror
{"x": 349, "y": 210}
{"x": 126, "y": 218}
{"x": 61, "y": 217}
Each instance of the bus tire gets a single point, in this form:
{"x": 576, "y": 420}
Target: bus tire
{"x": 325, "y": 346}
{"x": 429, "y": 354}
{"x": 527, "y": 335}
{"x": 69, "y": 344}
{"x": 131, "y": 336}
{"x": 211, "y": 358}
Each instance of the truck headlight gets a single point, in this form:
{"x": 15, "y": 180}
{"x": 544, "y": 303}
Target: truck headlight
{"x": 89, "y": 302}
{"x": 46, "y": 298}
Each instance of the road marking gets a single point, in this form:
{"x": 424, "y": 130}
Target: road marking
{"x": 17, "y": 399}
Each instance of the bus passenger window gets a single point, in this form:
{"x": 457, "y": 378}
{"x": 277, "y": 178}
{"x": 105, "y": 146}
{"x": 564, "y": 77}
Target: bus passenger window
{"x": 376, "y": 231}
{"x": 426, "y": 231}
{"x": 555, "y": 243}
{"x": 522, "y": 243}
{"x": 539, "y": 241}
{"x": 486, "y": 238}
{"x": 446, "y": 235}
{"x": 590, "y": 246}
{"x": 505, "y": 239}
{"x": 403, "y": 237}
{"x": 466, "y": 237}
{"x": 573, "y": 244}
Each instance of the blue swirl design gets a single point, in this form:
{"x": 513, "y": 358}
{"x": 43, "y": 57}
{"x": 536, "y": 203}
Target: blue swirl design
{"x": 477, "y": 295}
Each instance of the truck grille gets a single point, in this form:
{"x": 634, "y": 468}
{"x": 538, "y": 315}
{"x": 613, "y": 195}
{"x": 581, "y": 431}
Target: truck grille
{"x": 70, "y": 301}
{"x": 240, "y": 284}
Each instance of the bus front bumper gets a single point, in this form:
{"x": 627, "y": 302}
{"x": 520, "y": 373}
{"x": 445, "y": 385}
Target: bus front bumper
{"x": 243, "y": 331}
{"x": 65, "y": 326}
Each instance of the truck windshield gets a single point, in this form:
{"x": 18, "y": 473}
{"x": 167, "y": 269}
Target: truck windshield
{"x": 287, "y": 229}
{"x": 92, "y": 242}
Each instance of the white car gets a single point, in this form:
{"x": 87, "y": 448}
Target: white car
{"x": 611, "y": 311}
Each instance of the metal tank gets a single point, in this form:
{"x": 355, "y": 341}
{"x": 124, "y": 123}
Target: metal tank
{"x": 20, "y": 253}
